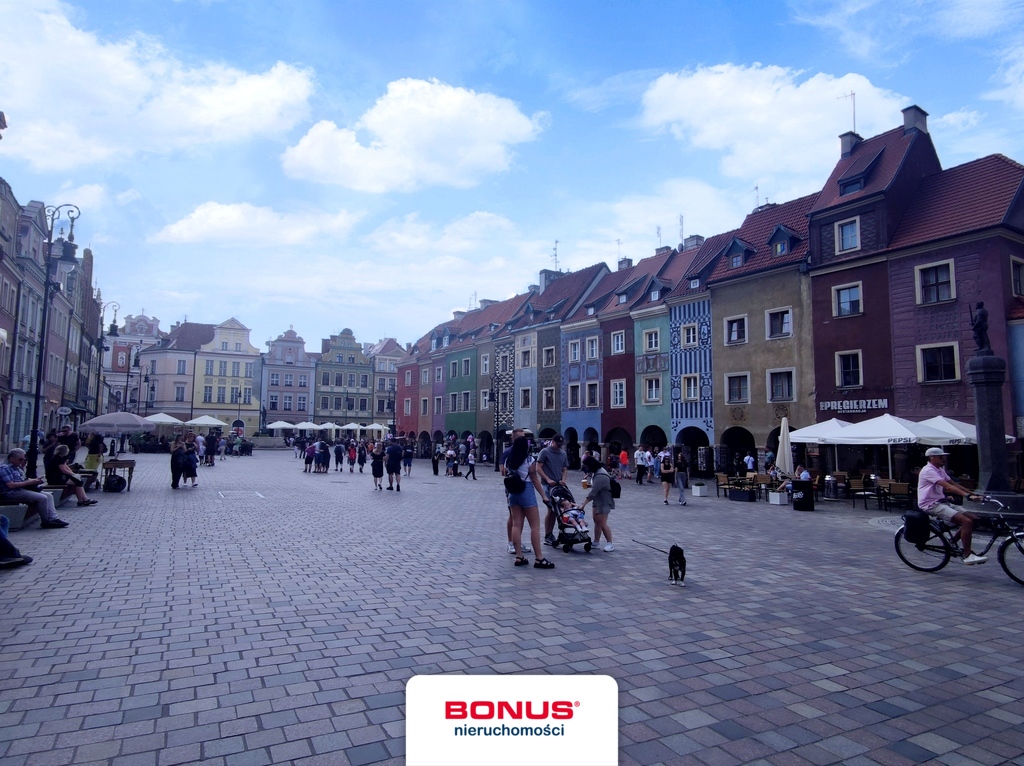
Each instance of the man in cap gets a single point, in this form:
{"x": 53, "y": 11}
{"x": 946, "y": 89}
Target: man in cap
{"x": 933, "y": 483}
{"x": 553, "y": 469}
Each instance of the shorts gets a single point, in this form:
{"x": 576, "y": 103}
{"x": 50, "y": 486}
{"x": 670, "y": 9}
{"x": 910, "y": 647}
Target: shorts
{"x": 943, "y": 511}
{"x": 407, "y": 462}
{"x": 668, "y": 478}
{"x": 394, "y": 467}
{"x": 525, "y": 499}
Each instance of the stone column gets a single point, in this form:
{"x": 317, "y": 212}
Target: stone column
{"x": 986, "y": 374}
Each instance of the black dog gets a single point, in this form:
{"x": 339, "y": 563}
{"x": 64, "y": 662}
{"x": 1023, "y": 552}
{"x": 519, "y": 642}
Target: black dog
{"x": 676, "y": 565}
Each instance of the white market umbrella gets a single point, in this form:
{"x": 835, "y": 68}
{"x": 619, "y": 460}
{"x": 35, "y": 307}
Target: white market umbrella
{"x": 784, "y": 460}
{"x": 375, "y": 427}
{"x": 888, "y": 430}
{"x": 206, "y": 420}
{"x": 163, "y": 419}
{"x": 329, "y": 427}
{"x": 307, "y": 426}
{"x": 280, "y": 424}
{"x": 351, "y": 427}
{"x": 117, "y": 423}
{"x": 959, "y": 431}
{"x": 814, "y": 434}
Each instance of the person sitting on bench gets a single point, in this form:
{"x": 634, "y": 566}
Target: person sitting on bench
{"x": 58, "y": 473}
{"x": 15, "y": 488}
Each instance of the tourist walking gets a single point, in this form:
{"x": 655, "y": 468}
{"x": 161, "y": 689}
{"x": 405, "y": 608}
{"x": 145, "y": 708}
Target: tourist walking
{"x": 667, "y": 469}
{"x": 377, "y": 466}
{"x": 682, "y": 475}
{"x": 471, "y": 462}
{"x": 177, "y": 460}
{"x": 191, "y": 460}
{"x": 601, "y": 496}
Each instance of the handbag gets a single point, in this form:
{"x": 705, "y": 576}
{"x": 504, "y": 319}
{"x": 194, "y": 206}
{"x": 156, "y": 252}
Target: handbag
{"x": 514, "y": 483}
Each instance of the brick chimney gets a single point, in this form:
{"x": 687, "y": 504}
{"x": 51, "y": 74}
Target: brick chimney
{"x": 625, "y": 263}
{"x": 848, "y": 141}
{"x": 692, "y": 242}
{"x": 547, "y": 276}
{"x": 915, "y": 118}
{"x": 485, "y": 302}
{"x": 458, "y": 315}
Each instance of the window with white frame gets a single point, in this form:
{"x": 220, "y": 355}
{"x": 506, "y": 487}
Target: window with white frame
{"x": 275, "y": 379}
{"x": 735, "y": 330}
{"x": 652, "y": 341}
{"x": 300, "y": 401}
{"x": 780, "y": 385}
{"x": 938, "y": 363}
{"x": 453, "y": 370}
{"x": 652, "y": 390}
{"x": 289, "y": 378}
{"x": 424, "y": 406}
{"x": 209, "y": 367}
{"x": 287, "y": 400}
{"x": 846, "y": 300}
{"x": 623, "y": 298}
{"x": 465, "y": 367}
{"x": 438, "y": 374}
{"x": 179, "y": 393}
{"x": 690, "y": 388}
{"x": 303, "y": 380}
{"x": 505, "y": 363}
{"x": 935, "y": 283}
{"x": 524, "y": 358}
{"x": 364, "y": 404}
{"x": 325, "y": 402}
{"x": 437, "y": 405}
{"x": 618, "y": 392}
{"x": 1017, "y": 276}
{"x": 778, "y": 323}
{"x": 549, "y": 356}
{"x": 408, "y": 380}
{"x": 619, "y": 342}
{"x": 453, "y": 402}
{"x": 655, "y": 294}
{"x": 548, "y": 399}
{"x": 503, "y": 401}
{"x": 688, "y": 334}
{"x": 525, "y": 398}
{"x": 273, "y": 398}
{"x": 467, "y": 401}
{"x": 485, "y": 364}
{"x": 485, "y": 399}
{"x": 181, "y": 366}
{"x": 408, "y": 407}
{"x": 848, "y": 369}
{"x": 424, "y": 376}
{"x": 574, "y": 351}
{"x": 847, "y": 234}
{"x": 737, "y": 388}
{"x": 592, "y": 348}
{"x": 574, "y": 395}
{"x": 593, "y": 399}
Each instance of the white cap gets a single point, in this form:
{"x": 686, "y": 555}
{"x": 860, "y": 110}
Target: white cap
{"x": 934, "y": 452}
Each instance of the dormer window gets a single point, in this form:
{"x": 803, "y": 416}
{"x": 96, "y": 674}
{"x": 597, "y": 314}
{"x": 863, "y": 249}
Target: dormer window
{"x": 655, "y": 294}
{"x": 694, "y": 284}
{"x": 444, "y": 341}
{"x": 735, "y": 261}
{"x": 433, "y": 344}
{"x": 780, "y": 248}
{"x": 849, "y": 187}
{"x": 622, "y": 299}
{"x": 590, "y": 311}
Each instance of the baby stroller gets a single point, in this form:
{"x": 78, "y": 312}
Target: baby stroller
{"x": 568, "y": 535}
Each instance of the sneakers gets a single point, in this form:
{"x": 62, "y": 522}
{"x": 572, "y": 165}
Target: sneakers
{"x": 666, "y": 502}
{"x": 526, "y": 548}
{"x": 53, "y": 524}
{"x": 398, "y": 488}
{"x": 391, "y": 489}
{"x": 549, "y": 539}
{"x": 974, "y": 559}
{"x": 609, "y": 548}
{"x": 511, "y": 548}
{"x": 17, "y": 561}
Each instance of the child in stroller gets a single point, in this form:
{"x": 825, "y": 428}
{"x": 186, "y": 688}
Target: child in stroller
{"x": 572, "y": 527}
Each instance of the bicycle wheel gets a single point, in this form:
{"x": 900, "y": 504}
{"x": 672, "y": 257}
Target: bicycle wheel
{"x": 930, "y": 557}
{"x": 1011, "y": 557}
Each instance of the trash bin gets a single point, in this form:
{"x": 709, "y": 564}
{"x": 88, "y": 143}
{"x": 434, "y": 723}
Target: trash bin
{"x": 803, "y": 496}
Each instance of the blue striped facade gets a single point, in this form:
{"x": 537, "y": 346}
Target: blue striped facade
{"x": 694, "y": 360}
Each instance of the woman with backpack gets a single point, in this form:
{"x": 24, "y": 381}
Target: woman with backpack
{"x": 601, "y": 496}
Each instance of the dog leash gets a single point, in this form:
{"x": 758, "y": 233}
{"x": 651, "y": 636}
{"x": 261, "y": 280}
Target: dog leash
{"x": 659, "y": 550}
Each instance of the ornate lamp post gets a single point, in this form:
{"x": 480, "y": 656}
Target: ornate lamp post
{"x": 136, "y": 347}
{"x": 67, "y": 256}
{"x": 102, "y": 347}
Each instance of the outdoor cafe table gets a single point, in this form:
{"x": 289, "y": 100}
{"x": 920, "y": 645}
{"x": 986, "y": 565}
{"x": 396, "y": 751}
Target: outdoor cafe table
{"x": 119, "y": 467}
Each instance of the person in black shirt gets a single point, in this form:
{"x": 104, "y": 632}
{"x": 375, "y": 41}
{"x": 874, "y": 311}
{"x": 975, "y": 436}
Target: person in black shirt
{"x": 394, "y": 465}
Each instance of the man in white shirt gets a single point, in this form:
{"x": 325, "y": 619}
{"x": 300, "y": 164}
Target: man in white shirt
{"x": 640, "y": 458}
{"x": 750, "y": 462}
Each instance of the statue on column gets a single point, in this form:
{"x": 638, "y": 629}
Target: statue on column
{"x": 979, "y": 324}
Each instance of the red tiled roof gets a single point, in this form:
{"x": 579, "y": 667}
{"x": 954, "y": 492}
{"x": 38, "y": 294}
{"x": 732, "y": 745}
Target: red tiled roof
{"x": 190, "y": 336}
{"x": 701, "y": 260}
{"x": 893, "y": 146}
{"x": 968, "y": 197}
{"x": 758, "y": 228}
{"x": 602, "y": 293}
{"x": 566, "y": 290}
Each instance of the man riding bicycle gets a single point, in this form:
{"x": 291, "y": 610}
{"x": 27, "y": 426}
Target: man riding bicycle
{"x": 933, "y": 484}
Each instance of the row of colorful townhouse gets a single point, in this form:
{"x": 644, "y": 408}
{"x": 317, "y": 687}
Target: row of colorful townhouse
{"x": 850, "y": 302}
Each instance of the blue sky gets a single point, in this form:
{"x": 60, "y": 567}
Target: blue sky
{"x": 376, "y": 165}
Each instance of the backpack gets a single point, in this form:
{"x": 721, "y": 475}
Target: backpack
{"x": 917, "y": 527}
{"x": 114, "y": 483}
{"x": 616, "y": 488}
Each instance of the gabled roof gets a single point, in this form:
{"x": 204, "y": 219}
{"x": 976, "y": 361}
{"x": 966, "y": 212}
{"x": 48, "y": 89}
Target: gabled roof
{"x": 877, "y": 158}
{"x": 968, "y": 197}
{"x": 189, "y": 336}
{"x": 385, "y": 346}
{"x": 629, "y": 281}
{"x": 758, "y": 230}
{"x": 562, "y": 295}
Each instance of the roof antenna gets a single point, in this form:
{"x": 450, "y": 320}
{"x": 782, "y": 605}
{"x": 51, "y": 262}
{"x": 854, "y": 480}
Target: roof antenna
{"x": 853, "y": 98}
{"x": 472, "y": 300}
{"x": 554, "y": 257}
{"x": 658, "y": 230}
{"x": 618, "y": 248}
{"x": 682, "y": 237}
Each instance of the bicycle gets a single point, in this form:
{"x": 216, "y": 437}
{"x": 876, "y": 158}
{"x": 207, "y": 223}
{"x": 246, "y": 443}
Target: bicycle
{"x": 944, "y": 542}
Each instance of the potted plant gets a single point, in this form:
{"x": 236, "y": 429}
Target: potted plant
{"x": 698, "y": 489}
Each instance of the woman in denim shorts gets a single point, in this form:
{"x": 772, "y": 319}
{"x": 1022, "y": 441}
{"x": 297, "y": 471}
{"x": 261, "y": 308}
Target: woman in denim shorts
{"x": 524, "y": 504}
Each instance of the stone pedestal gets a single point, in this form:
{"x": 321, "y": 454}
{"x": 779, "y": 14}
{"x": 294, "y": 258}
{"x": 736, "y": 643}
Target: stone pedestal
{"x": 986, "y": 375}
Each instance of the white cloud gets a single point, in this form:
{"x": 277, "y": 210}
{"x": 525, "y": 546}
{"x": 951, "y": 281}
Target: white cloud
{"x": 128, "y": 196}
{"x": 622, "y": 88}
{"x": 72, "y": 99}
{"x": 242, "y": 223}
{"x": 88, "y": 197}
{"x": 755, "y": 115}
{"x": 421, "y": 133}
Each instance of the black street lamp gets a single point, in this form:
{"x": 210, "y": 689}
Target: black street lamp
{"x": 67, "y": 256}
{"x": 494, "y": 406}
{"x": 102, "y": 347}
{"x": 149, "y": 387}
{"x": 136, "y": 347}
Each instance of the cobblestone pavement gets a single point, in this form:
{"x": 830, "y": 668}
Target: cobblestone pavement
{"x": 270, "y": 616}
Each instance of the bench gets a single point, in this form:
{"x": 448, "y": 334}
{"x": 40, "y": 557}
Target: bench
{"x": 18, "y": 515}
